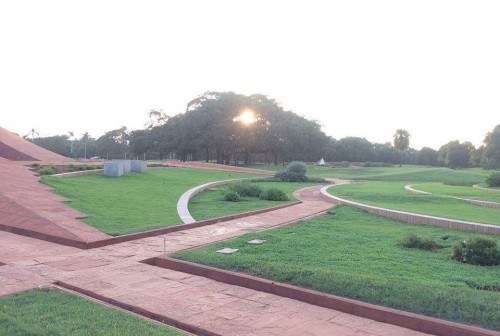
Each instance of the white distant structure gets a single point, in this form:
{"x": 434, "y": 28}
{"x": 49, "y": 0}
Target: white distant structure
{"x": 321, "y": 162}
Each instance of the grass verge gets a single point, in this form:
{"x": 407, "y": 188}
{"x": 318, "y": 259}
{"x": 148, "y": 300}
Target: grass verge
{"x": 53, "y": 312}
{"x": 356, "y": 255}
{"x": 462, "y": 177}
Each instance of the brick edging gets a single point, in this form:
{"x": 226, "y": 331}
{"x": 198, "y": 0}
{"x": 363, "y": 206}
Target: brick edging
{"x": 378, "y": 313}
{"x": 137, "y": 310}
{"x": 414, "y": 218}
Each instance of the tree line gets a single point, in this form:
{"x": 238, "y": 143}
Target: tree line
{"x": 231, "y": 128}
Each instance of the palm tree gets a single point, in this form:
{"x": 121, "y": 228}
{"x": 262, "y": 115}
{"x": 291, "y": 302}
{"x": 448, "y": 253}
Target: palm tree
{"x": 401, "y": 141}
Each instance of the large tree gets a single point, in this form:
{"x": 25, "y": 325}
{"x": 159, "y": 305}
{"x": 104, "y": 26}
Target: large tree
{"x": 455, "y": 154}
{"x": 427, "y": 157}
{"x": 492, "y": 148}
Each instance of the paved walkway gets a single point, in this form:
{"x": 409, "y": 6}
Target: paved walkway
{"x": 117, "y": 272}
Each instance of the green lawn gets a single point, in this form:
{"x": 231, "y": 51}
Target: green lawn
{"x": 392, "y": 195}
{"x": 458, "y": 191}
{"x": 50, "y": 313}
{"x": 356, "y": 255}
{"x": 406, "y": 173}
{"x": 211, "y": 204}
{"x": 134, "y": 202}
{"x": 312, "y": 171}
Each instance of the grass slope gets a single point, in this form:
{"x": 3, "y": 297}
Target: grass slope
{"x": 356, "y": 255}
{"x": 210, "y": 203}
{"x": 49, "y": 313}
{"x": 392, "y": 195}
{"x": 134, "y": 202}
{"x": 406, "y": 173}
{"x": 458, "y": 191}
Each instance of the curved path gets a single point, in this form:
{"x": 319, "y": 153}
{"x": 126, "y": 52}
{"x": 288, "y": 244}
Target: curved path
{"x": 183, "y": 203}
{"x": 116, "y": 272}
{"x": 412, "y": 218}
{"x": 489, "y": 189}
{"x": 467, "y": 200}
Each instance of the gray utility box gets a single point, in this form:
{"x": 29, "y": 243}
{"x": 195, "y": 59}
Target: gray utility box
{"x": 138, "y": 166}
{"x": 114, "y": 169}
{"x": 126, "y": 164}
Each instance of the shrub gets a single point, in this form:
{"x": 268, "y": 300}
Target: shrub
{"x": 493, "y": 180}
{"x": 231, "y": 196}
{"x": 343, "y": 164}
{"x": 377, "y": 164}
{"x": 414, "y": 241}
{"x": 477, "y": 251}
{"x": 295, "y": 172}
{"x": 73, "y": 167}
{"x": 47, "y": 170}
{"x": 246, "y": 189}
{"x": 274, "y": 194}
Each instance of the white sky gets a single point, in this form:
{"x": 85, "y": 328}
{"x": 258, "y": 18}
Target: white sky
{"x": 362, "y": 68}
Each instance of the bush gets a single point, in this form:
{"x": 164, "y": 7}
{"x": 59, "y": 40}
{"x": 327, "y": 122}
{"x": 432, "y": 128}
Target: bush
{"x": 47, "y": 170}
{"x": 477, "y": 251}
{"x": 231, "y": 196}
{"x": 274, "y": 194}
{"x": 343, "y": 164}
{"x": 246, "y": 189}
{"x": 73, "y": 167}
{"x": 414, "y": 241}
{"x": 295, "y": 172}
{"x": 377, "y": 164}
{"x": 493, "y": 180}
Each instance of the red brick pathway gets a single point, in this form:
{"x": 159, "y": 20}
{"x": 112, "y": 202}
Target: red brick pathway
{"x": 117, "y": 272}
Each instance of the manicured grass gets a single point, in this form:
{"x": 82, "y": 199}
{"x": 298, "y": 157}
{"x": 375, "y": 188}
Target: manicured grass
{"x": 391, "y": 195}
{"x": 312, "y": 171}
{"x": 415, "y": 174}
{"x": 49, "y": 313}
{"x": 134, "y": 202}
{"x": 458, "y": 191}
{"x": 356, "y": 255}
{"x": 406, "y": 173}
{"x": 211, "y": 204}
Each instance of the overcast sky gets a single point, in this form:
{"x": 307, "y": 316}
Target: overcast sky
{"x": 361, "y": 68}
